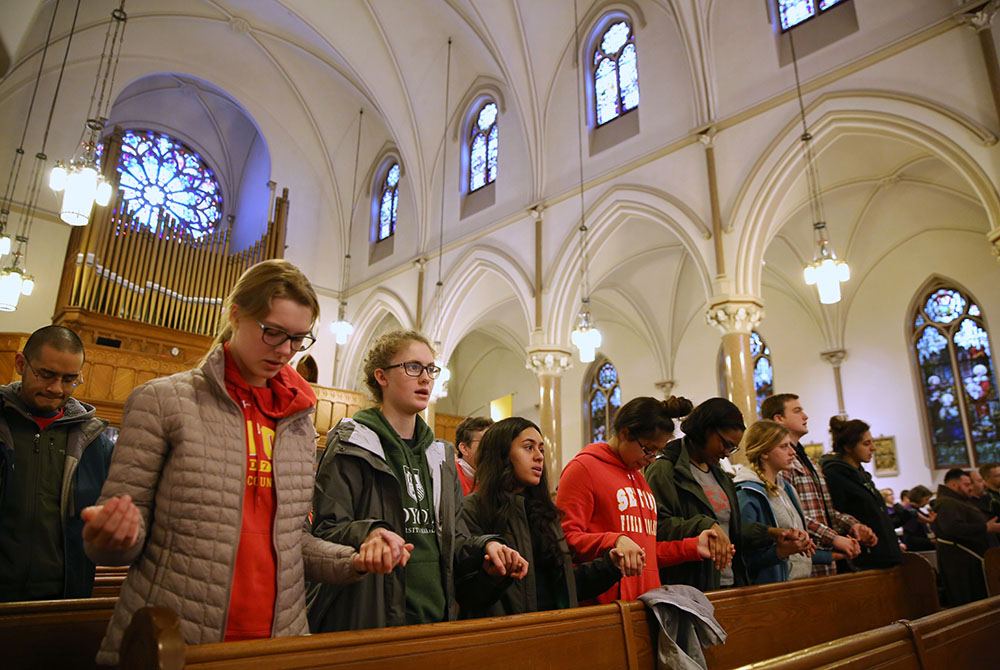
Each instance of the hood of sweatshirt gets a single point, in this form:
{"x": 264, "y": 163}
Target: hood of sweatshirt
{"x": 601, "y": 451}
{"x": 285, "y": 394}
{"x": 745, "y": 474}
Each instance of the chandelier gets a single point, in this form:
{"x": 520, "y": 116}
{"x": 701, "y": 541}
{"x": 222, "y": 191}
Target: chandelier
{"x": 81, "y": 181}
{"x": 825, "y": 271}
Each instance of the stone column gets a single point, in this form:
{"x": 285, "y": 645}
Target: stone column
{"x": 548, "y": 363}
{"x": 835, "y": 357}
{"x": 735, "y": 318}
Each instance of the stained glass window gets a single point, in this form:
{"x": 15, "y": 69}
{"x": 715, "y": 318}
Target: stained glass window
{"x": 159, "y": 174}
{"x": 483, "y": 143}
{"x": 615, "y": 72}
{"x": 793, "y": 12}
{"x": 957, "y": 379}
{"x": 604, "y": 400}
{"x": 763, "y": 373}
{"x": 388, "y": 203}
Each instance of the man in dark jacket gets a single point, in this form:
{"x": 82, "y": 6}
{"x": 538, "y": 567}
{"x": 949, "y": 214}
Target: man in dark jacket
{"x": 963, "y": 536}
{"x": 54, "y": 458}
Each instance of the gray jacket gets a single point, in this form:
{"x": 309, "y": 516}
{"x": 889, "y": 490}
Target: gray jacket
{"x": 356, "y": 491}
{"x": 182, "y": 456}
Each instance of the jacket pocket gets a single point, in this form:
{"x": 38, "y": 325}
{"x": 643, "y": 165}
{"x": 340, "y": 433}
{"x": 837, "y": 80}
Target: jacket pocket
{"x": 161, "y": 568}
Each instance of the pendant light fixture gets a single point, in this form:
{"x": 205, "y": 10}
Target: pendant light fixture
{"x": 440, "y": 387}
{"x": 342, "y": 328}
{"x": 585, "y": 337}
{"x": 81, "y": 180}
{"x": 825, "y": 271}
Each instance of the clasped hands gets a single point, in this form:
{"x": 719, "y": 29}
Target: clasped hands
{"x": 383, "y": 550}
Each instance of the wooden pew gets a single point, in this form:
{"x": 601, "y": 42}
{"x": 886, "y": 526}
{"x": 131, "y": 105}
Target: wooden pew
{"x": 53, "y": 633}
{"x": 762, "y": 621}
{"x": 108, "y": 581}
{"x": 991, "y": 565}
{"x": 886, "y": 648}
{"x": 818, "y": 610}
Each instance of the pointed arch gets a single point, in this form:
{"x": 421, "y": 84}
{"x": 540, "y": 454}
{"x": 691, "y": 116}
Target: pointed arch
{"x": 376, "y": 306}
{"x": 955, "y": 375}
{"x": 957, "y": 141}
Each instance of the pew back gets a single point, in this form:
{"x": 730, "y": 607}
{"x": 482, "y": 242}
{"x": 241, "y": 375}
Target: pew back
{"x": 762, "y": 622}
{"x": 53, "y": 633}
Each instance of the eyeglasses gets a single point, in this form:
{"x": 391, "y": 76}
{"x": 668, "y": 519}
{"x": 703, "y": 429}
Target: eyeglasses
{"x": 47, "y": 377}
{"x": 415, "y": 368}
{"x": 275, "y": 337}
{"x": 649, "y": 451}
{"x": 726, "y": 444}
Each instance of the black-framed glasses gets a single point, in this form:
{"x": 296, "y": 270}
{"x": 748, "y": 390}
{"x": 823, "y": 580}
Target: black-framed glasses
{"x": 275, "y": 337}
{"x": 726, "y": 444}
{"x": 416, "y": 368}
{"x": 47, "y": 377}
{"x": 649, "y": 451}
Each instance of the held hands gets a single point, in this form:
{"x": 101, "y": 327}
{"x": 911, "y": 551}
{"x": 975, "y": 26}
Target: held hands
{"x": 716, "y": 547}
{"x": 500, "y": 560}
{"x": 382, "y": 551}
{"x": 795, "y": 541}
{"x": 927, "y": 518}
{"x": 863, "y": 534}
{"x": 845, "y": 547}
{"x": 630, "y": 556}
{"x": 113, "y": 526}
{"x": 721, "y": 550}
{"x": 992, "y": 526}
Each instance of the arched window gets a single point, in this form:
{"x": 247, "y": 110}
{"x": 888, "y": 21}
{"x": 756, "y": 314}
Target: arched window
{"x": 793, "y": 12}
{"x": 763, "y": 372}
{"x": 158, "y": 173}
{"x": 484, "y": 138}
{"x": 957, "y": 378}
{"x": 388, "y": 203}
{"x": 615, "y": 72}
{"x": 604, "y": 399}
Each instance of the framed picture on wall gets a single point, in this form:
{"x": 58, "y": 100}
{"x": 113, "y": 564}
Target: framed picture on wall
{"x": 886, "y": 464}
{"x": 814, "y": 451}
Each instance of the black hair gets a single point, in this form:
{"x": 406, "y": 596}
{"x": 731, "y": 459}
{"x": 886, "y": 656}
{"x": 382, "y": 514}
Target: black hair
{"x": 953, "y": 474}
{"x": 919, "y": 494}
{"x": 469, "y": 426}
{"x": 775, "y": 404}
{"x": 59, "y": 338}
{"x": 712, "y": 415}
{"x": 846, "y": 434}
{"x": 495, "y": 482}
{"x": 646, "y": 417}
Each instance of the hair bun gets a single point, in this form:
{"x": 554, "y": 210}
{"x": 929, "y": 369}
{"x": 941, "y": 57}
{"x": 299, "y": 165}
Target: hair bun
{"x": 678, "y": 406}
{"x": 837, "y": 424}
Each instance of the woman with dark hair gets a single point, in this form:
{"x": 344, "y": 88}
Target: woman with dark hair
{"x": 854, "y": 493}
{"x": 512, "y": 500}
{"x": 607, "y": 503}
{"x": 916, "y": 529}
{"x": 693, "y": 494}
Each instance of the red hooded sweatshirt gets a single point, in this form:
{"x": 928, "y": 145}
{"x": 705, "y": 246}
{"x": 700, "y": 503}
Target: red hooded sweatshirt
{"x": 251, "y": 605}
{"x": 602, "y": 500}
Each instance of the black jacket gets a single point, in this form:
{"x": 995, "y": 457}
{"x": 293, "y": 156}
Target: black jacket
{"x": 682, "y": 510}
{"x": 854, "y": 493}
{"x": 479, "y": 595}
{"x": 962, "y": 539}
{"x": 87, "y": 461}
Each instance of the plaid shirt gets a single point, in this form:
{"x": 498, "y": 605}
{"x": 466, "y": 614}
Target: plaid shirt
{"x": 823, "y": 521}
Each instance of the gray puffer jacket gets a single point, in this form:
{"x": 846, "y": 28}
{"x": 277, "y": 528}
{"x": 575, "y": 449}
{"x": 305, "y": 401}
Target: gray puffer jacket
{"x": 181, "y": 455}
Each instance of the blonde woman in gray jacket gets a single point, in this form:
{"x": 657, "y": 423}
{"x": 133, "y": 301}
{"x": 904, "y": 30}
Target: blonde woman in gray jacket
{"x": 211, "y": 481}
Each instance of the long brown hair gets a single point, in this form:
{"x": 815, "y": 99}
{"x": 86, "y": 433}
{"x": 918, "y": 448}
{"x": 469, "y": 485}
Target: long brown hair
{"x": 258, "y": 286}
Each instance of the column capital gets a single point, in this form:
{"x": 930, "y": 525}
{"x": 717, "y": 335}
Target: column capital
{"x": 734, "y": 315}
{"x": 665, "y": 387}
{"x": 549, "y": 360}
{"x": 980, "y": 20}
{"x": 834, "y": 356}
{"x": 994, "y": 238}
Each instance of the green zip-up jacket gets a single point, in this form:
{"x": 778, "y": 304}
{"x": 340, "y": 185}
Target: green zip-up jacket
{"x": 357, "y": 491}
{"x": 682, "y": 510}
{"x": 46, "y": 478}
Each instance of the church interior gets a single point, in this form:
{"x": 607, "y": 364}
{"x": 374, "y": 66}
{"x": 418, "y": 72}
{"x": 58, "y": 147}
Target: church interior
{"x": 488, "y": 171}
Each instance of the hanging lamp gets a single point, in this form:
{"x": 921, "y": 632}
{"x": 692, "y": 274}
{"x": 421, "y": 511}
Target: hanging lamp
{"x": 585, "y": 337}
{"x": 81, "y": 181}
{"x": 825, "y": 271}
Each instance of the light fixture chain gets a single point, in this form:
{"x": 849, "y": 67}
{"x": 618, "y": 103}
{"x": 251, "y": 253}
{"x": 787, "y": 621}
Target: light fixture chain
{"x": 345, "y": 282}
{"x": 62, "y": 69}
{"x": 584, "y": 270}
{"x": 119, "y": 17}
{"x": 444, "y": 153}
